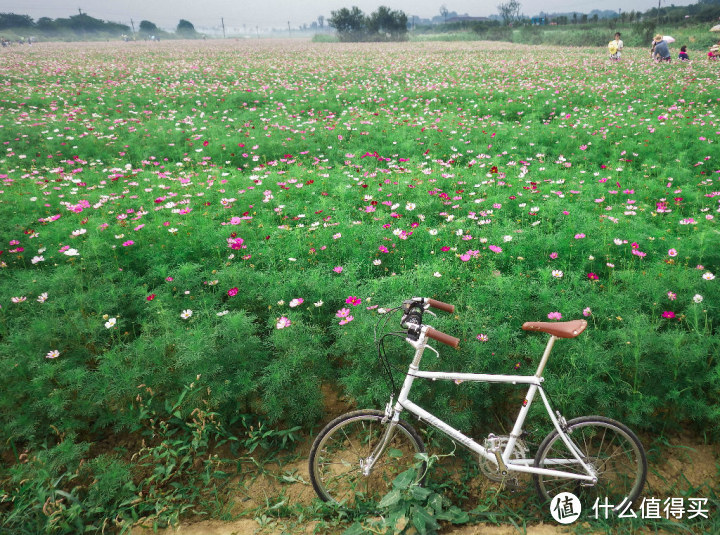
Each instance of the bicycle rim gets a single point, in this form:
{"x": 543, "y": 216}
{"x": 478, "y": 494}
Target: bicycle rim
{"x": 610, "y": 448}
{"x": 341, "y": 450}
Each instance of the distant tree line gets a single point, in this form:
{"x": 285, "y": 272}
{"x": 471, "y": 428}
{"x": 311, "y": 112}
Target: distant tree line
{"x": 384, "y": 24}
{"x": 84, "y": 24}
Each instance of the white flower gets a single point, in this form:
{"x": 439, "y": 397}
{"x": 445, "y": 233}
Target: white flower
{"x": 110, "y": 323}
{"x": 433, "y": 232}
{"x": 172, "y": 230}
{"x": 697, "y": 298}
{"x": 377, "y": 262}
{"x": 617, "y": 241}
{"x": 72, "y": 252}
{"x": 42, "y": 297}
{"x": 18, "y": 299}
{"x": 222, "y": 313}
{"x": 410, "y": 206}
{"x": 708, "y": 276}
{"x": 281, "y": 302}
{"x": 36, "y": 259}
{"x": 319, "y": 303}
{"x": 53, "y": 354}
{"x": 185, "y": 314}
{"x": 459, "y": 232}
{"x": 557, "y": 273}
{"x": 507, "y": 238}
{"x": 79, "y": 231}
{"x": 437, "y": 274}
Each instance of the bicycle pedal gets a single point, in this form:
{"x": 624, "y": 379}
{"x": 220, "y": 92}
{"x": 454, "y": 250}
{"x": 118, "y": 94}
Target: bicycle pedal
{"x": 512, "y": 484}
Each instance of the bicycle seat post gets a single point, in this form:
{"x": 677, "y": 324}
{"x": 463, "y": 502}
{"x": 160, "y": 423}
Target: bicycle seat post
{"x": 546, "y": 355}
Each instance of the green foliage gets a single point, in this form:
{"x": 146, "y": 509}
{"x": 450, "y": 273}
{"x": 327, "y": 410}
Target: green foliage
{"x": 411, "y": 508}
{"x": 381, "y": 25}
{"x": 59, "y": 489}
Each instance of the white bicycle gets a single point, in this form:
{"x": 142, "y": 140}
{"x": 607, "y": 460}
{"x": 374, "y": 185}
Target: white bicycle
{"x": 355, "y": 458}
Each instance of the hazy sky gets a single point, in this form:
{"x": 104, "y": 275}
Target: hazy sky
{"x": 277, "y": 13}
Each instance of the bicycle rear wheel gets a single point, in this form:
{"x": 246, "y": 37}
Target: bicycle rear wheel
{"x": 609, "y": 447}
{"x": 342, "y": 448}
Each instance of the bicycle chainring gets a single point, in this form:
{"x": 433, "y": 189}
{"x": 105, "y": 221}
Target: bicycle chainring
{"x": 488, "y": 468}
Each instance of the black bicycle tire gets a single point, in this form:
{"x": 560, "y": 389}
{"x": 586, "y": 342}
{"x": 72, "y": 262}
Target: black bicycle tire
{"x": 315, "y": 478}
{"x": 583, "y": 421}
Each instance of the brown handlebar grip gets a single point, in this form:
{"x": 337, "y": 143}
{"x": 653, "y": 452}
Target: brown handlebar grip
{"x": 442, "y": 337}
{"x": 441, "y": 306}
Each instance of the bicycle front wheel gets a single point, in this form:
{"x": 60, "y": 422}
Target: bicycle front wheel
{"x": 611, "y": 449}
{"x": 342, "y": 449}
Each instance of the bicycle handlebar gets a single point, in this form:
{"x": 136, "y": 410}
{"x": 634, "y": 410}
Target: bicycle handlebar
{"x": 441, "y": 306}
{"x": 442, "y": 337}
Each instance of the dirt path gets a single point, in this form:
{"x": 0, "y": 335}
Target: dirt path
{"x": 684, "y": 466}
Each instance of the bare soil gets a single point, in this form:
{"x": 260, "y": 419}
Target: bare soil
{"x": 685, "y": 466}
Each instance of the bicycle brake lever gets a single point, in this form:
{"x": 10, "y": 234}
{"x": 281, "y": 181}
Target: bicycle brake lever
{"x": 431, "y": 313}
{"x": 431, "y": 348}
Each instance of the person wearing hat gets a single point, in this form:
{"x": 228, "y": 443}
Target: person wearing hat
{"x": 660, "y": 51}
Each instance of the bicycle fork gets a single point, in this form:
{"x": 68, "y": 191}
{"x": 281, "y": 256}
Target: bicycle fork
{"x": 367, "y": 464}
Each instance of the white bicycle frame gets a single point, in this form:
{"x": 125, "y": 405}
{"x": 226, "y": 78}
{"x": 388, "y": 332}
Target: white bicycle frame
{"x": 501, "y": 459}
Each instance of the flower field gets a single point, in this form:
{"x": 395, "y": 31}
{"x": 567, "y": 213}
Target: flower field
{"x": 216, "y": 224}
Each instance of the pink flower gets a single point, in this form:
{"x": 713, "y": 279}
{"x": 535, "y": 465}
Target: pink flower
{"x": 283, "y": 322}
{"x": 482, "y": 337}
{"x": 672, "y": 252}
{"x": 495, "y": 249}
{"x": 338, "y": 269}
{"x": 553, "y": 255}
{"x": 465, "y": 257}
{"x": 554, "y": 316}
{"x": 128, "y": 243}
{"x": 232, "y": 292}
{"x": 587, "y": 312}
{"x": 668, "y": 314}
{"x": 296, "y": 302}
{"x": 169, "y": 279}
{"x": 672, "y": 296}
{"x": 352, "y": 300}
{"x": 345, "y": 320}
{"x": 342, "y": 313}
{"x": 383, "y": 249}
{"x": 579, "y": 236}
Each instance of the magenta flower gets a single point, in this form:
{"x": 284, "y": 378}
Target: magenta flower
{"x": 352, "y": 300}
{"x": 579, "y": 236}
{"x": 128, "y": 243}
{"x": 554, "y": 316}
{"x": 465, "y": 257}
{"x": 668, "y": 314}
{"x": 553, "y": 255}
{"x": 592, "y": 276}
{"x": 232, "y": 292}
{"x": 383, "y": 249}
